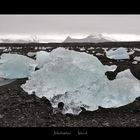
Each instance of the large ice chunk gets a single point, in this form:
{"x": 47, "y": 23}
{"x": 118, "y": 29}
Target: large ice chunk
{"x": 78, "y": 79}
{"x": 14, "y": 66}
{"x": 121, "y": 91}
{"x": 110, "y": 68}
{"x": 63, "y": 71}
{"x": 120, "y": 53}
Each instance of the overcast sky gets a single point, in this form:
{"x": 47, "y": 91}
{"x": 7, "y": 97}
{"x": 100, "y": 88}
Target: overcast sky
{"x": 64, "y": 25}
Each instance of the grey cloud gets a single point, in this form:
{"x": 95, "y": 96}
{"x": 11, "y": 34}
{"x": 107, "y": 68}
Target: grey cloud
{"x": 69, "y": 24}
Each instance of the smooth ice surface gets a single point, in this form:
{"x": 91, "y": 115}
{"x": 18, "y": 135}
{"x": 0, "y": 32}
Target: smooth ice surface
{"x": 91, "y": 48}
{"x": 14, "y": 66}
{"x": 120, "y": 53}
{"x": 105, "y": 93}
{"x": 41, "y": 58}
{"x": 78, "y": 79}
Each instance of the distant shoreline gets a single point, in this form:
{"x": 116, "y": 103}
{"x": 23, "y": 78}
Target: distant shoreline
{"x": 63, "y": 44}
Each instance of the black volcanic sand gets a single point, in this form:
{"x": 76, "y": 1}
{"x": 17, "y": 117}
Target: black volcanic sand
{"x": 18, "y": 109}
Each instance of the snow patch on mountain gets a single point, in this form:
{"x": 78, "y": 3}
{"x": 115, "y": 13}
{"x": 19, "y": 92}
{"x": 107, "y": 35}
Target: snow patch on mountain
{"x": 90, "y": 39}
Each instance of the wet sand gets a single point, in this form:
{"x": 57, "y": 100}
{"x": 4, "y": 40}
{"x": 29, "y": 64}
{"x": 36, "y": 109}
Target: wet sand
{"x": 5, "y": 81}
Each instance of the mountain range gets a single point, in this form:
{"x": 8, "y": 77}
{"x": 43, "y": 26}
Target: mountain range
{"x": 90, "y": 39}
{"x": 98, "y": 38}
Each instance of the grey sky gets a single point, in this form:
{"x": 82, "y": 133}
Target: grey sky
{"x": 69, "y": 24}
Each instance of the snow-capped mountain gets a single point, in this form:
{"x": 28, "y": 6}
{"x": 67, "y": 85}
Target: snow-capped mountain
{"x": 90, "y": 39}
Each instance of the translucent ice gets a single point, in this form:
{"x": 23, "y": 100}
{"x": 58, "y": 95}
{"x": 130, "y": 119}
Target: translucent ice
{"x": 120, "y": 53}
{"x": 14, "y": 66}
{"x": 41, "y": 57}
{"x": 104, "y": 93}
{"x": 63, "y": 71}
{"x": 78, "y": 79}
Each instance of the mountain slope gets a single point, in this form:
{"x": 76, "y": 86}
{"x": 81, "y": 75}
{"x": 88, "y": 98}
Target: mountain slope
{"x": 90, "y": 39}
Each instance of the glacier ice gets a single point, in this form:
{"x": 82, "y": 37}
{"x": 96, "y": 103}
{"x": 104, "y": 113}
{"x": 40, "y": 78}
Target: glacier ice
{"x": 65, "y": 70}
{"x": 105, "y": 93}
{"x": 137, "y": 58}
{"x": 135, "y": 62}
{"x": 110, "y": 68}
{"x": 78, "y": 79}
{"x": 98, "y": 54}
{"x": 120, "y": 53}
{"x": 14, "y": 66}
{"x": 41, "y": 57}
{"x": 137, "y": 49}
{"x": 31, "y": 54}
{"x": 82, "y": 49}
